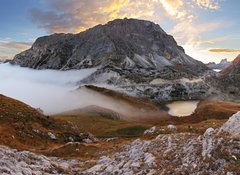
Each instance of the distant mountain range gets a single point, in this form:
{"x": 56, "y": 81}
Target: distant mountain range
{"x": 221, "y": 65}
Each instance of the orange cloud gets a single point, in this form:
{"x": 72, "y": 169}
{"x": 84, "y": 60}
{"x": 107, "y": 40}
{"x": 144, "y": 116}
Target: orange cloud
{"x": 74, "y": 16}
{"x": 224, "y": 50}
{"x": 16, "y": 45}
{"x": 8, "y": 47}
{"x": 77, "y": 15}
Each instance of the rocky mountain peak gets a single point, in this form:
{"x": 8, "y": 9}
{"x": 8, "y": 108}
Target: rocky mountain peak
{"x": 236, "y": 60}
{"x": 126, "y": 41}
{"x": 123, "y": 50}
{"x": 134, "y": 25}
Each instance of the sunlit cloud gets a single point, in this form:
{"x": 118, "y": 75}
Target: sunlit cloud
{"x": 75, "y": 16}
{"x": 190, "y": 34}
{"x": 208, "y": 4}
{"x": 206, "y": 56}
{"x": 224, "y": 50}
{"x": 173, "y": 8}
{"x": 9, "y": 47}
{"x": 17, "y": 45}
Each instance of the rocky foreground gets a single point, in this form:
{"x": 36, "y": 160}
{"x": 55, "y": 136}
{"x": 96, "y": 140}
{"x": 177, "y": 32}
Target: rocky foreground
{"x": 215, "y": 152}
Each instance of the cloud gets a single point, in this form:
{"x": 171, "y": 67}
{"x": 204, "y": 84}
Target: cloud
{"x": 16, "y": 45}
{"x": 55, "y": 21}
{"x": 173, "y": 8}
{"x": 47, "y": 89}
{"x": 74, "y": 15}
{"x": 188, "y": 33}
{"x": 3, "y": 58}
{"x": 208, "y": 4}
{"x": 57, "y": 91}
{"x": 224, "y": 50}
{"x": 180, "y": 10}
{"x": 9, "y": 47}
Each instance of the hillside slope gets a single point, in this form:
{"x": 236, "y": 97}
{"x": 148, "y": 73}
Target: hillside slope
{"x": 23, "y": 127}
{"x": 217, "y": 151}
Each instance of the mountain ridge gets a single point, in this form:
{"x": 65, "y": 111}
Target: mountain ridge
{"x": 224, "y": 63}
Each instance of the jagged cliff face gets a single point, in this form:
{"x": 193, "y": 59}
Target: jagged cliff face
{"x": 126, "y": 44}
{"x": 229, "y": 79}
{"x": 233, "y": 69}
{"x": 232, "y": 73}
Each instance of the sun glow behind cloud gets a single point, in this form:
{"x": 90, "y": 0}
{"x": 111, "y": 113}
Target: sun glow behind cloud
{"x": 181, "y": 17}
{"x": 70, "y": 16}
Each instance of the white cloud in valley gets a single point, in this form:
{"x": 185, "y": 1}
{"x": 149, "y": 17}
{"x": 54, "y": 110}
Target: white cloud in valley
{"x": 49, "y": 90}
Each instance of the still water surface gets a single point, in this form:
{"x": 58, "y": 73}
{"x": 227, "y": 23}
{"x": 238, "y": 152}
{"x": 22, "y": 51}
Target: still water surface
{"x": 182, "y": 108}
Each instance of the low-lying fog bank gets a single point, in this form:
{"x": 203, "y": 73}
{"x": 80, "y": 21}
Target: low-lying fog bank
{"x": 57, "y": 91}
{"x": 49, "y": 90}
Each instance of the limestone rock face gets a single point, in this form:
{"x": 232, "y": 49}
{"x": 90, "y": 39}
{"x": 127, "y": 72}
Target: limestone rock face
{"x": 232, "y": 126}
{"x": 122, "y": 43}
{"x": 233, "y": 71}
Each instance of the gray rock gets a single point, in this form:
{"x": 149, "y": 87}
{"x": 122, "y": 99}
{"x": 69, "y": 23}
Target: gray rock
{"x": 228, "y": 81}
{"x": 121, "y": 46}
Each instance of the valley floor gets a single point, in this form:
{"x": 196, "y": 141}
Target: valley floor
{"x": 206, "y": 142}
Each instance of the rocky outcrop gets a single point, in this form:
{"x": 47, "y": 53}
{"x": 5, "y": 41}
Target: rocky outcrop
{"x": 232, "y": 127}
{"x": 177, "y": 153}
{"x": 27, "y": 163}
{"x": 161, "y": 90}
{"x": 214, "y": 152}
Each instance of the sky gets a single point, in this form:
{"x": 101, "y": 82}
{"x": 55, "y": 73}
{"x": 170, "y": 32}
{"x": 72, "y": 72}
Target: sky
{"x": 207, "y": 29}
